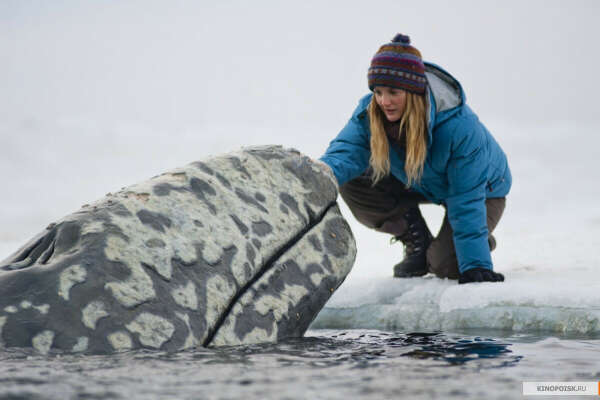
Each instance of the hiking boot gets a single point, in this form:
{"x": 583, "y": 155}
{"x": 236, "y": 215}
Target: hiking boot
{"x": 416, "y": 240}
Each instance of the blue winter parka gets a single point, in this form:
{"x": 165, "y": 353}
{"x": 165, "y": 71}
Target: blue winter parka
{"x": 464, "y": 164}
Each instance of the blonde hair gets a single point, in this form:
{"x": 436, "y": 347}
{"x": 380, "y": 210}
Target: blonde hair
{"x": 414, "y": 124}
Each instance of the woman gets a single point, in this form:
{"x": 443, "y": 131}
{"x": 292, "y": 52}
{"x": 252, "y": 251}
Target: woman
{"x": 414, "y": 140}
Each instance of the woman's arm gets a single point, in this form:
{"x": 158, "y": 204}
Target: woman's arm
{"x": 348, "y": 154}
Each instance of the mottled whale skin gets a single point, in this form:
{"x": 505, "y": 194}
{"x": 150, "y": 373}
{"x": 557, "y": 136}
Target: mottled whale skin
{"x": 240, "y": 248}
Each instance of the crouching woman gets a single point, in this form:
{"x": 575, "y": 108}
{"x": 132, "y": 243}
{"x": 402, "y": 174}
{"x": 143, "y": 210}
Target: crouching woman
{"x": 414, "y": 140}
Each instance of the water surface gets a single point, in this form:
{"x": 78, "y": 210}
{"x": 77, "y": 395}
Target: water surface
{"x": 326, "y": 364}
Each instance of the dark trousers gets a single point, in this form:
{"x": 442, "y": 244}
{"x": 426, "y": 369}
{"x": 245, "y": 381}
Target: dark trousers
{"x": 382, "y": 207}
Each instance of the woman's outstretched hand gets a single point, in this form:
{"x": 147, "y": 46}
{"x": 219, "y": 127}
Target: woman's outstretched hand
{"x": 479, "y": 274}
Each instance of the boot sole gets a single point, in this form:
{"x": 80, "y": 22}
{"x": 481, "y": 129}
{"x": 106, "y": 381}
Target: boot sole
{"x": 410, "y": 274}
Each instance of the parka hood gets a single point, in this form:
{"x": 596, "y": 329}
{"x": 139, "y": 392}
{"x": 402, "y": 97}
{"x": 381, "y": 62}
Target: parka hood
{"x": 445, "y": 95}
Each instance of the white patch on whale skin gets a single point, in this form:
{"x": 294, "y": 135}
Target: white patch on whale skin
{"x": 227, "y": 337}
{"x": 278, "y": 305}
{"x": 183, "y": 250}
{"x": 42, "y": 342}
{"x": 94, "y": 226}
{"x": 25, "y": 305}
{"x": 317, "y": 277}
{"x": 92, "y": 313}
{"x": 212, "y": 252}
{"x": 81, "y": 345}
{"x": 138, "y": 287}
{"x": 185, "y": 296}
{"x": 260, "y": 335}
{"x": 120, "y": 341}
{"x": 153, "y": 330}
{"x": 70, "y": 277}
{"x": 43, "y": 309}
{"x": 191, "y": 340}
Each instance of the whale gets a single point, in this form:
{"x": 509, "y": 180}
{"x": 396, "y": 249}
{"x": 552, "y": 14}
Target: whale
{"x": 238, "y": 248}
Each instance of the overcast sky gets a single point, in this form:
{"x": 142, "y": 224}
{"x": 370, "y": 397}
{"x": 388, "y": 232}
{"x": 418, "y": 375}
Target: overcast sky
{"x": 183, "y": 63}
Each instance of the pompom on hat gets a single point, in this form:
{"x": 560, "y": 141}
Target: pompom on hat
{"x": 398, "y": 64}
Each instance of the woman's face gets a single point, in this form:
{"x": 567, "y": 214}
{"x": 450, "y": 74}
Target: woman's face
{"x": 392, "y": 101}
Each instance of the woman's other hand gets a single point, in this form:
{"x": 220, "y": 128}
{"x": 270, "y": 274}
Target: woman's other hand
{"x": 479, "y": 274}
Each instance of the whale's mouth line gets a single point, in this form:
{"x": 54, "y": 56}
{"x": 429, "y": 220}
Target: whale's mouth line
{"x": 314, "y": 220}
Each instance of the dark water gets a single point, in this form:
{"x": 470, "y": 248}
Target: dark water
{"x": 326, "y": 364}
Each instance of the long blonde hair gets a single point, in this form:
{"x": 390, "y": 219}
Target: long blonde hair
{"x": 414, "y": 124}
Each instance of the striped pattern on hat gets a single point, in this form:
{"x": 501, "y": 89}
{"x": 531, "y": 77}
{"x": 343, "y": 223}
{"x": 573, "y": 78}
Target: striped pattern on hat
{"x": 397, "y": 64}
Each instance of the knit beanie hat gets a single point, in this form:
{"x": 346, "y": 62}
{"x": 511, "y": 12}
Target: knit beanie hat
{"x": 397, "y": 64}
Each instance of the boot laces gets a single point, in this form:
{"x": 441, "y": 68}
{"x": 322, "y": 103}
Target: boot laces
{"x": 414, "y": 238}
{"x": 412, "y": 241}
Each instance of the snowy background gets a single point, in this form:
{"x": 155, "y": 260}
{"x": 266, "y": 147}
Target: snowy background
{"x": 96, "y": 95}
